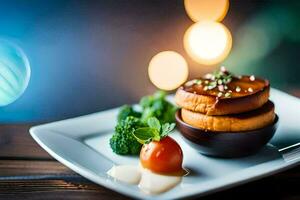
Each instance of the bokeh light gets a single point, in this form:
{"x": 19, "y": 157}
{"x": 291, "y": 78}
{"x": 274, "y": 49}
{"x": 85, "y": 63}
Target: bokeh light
{"x": 168, "y": 70}
{"x": 202, "y": 10}
{"x": 208, "y": 42}
{"x": 14, "y": 72}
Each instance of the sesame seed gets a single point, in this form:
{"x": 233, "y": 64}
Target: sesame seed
{"x": 237, "y": 89}
{"x": 221, "y": 88}
{"x": 250, "y": 89}
{"x": 252, "y": 78}
{"x": 205, "y": 88}
{"x": 220, "y": 94}
{"x": 227, "y": 94}
{"x": 220, "y": 82}
{"x": 198, "y": 82}
{"x": 206, "y": 82}
{"x": 210, "y": 87}
{"x": 225, "y": 87}
{"x": 230, "y": 91}
{"x": 189, "y": 83}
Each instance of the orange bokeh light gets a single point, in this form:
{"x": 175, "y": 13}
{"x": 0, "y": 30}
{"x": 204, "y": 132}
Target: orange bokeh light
{"x": 208, "y": 42}
{"x": 202, "y": 10}
{"x": 168, "y": 70}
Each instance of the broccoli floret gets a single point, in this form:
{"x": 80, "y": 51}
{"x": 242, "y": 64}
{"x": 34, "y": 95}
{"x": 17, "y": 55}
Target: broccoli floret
{"x": 126, "y": 111}
{"x": 157, "y": 106}
{"x": 123, "y": 142}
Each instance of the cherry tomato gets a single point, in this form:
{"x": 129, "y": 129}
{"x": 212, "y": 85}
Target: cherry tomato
{"x": 164, "y": 156}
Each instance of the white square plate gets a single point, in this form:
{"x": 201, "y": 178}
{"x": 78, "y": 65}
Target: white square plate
{"x": 82, "y": 144}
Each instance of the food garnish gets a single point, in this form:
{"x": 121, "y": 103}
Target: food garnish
{"x": 163, "y": 157}
{"x": 130, "y": 119}
{"x": 123, "y": 142}
{"x": 157, "y": 106}
{"x": 160, "y": 153}
{"x": 218, "y": 80}
{"x": 154, "y": 132}
{"x": 160, "y": 157}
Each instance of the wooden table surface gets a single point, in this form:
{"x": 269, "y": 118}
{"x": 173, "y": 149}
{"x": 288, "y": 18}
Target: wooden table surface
{"x": 28, "y": 172}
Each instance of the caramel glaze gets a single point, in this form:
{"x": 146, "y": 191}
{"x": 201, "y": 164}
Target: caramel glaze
{"x": 243, "y": 82}
{"x": 251, "y": 95}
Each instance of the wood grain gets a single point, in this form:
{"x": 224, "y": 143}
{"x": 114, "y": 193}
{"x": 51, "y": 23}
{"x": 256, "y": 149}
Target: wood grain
{"x": 54, "y": 189}
{"x": 32, "y": 167}
{"x": 16, "y": 142}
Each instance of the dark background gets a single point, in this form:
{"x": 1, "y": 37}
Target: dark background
{"x": 88, "y": 56}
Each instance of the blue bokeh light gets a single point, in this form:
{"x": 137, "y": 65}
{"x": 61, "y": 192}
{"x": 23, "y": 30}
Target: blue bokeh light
{"x": 14, "y": 72}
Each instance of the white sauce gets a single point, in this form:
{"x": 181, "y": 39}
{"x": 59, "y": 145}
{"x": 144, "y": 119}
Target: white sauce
{"x": 147, "y": 181}
{"x": 126, "y": 173}
{"x": 156, "y": 183}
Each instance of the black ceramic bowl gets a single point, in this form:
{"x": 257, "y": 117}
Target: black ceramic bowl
{"x": 225, "y": 144}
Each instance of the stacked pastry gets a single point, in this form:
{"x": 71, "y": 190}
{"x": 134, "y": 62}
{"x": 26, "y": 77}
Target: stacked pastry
{"x": 222, "y": 102}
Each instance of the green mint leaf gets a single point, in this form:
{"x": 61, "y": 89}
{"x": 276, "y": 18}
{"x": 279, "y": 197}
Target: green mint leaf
{"x": 147, "y": 113}
{"x": 167, "y": 128}
{"x": 156, "y": 136}
{"x": 153, "y": 122}
{"x": 145, "y": 135}
{"x": 164, "y": 128}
